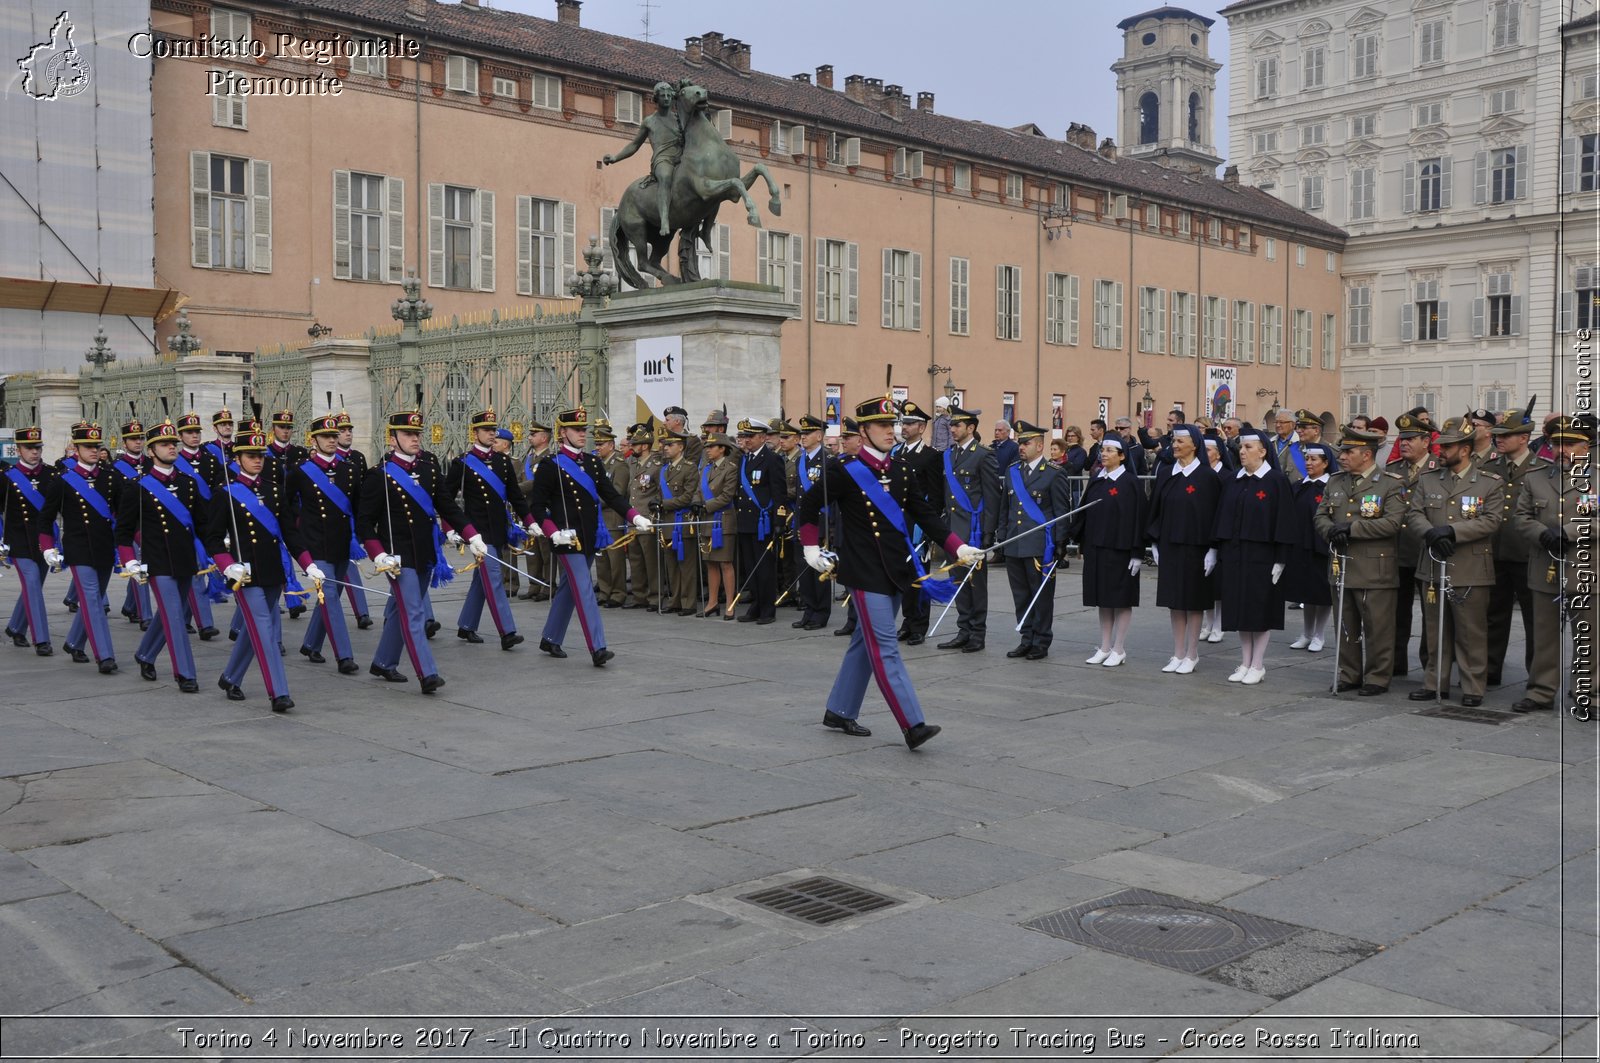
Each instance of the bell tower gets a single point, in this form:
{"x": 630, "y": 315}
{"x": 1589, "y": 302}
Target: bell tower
{"x": 1166, "y": 84}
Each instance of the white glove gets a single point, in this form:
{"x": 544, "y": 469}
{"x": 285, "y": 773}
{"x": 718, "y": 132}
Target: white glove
{"x": 137, "y": 570}
{"x": 1211, "y": 560}
{"x": 564, "y": 537}
{"x": 819, "y": 559}
{"x": 968, "y": 555}
{"x": 1155, "y": 554}
{"x": 52, "y": 557}
{"x": 315, "y": 573}
{"x": 236, "y": 574}
{"x": 479, "y": 547}
{"x": 535, "y": 531}
{"x": 453, "y": 537}
{"x": 1277, "y": 570}
{"x": 387, "y": 562}
{"x": 642, "y": 523}
{"x": 1134, "y": 566}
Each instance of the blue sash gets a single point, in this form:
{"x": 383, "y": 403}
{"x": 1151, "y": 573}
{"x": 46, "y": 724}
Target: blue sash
{"x": 764, "y": 513}
{"x": 802, "y": 468}
{"x": 514, "y": 531}
{"x": 959, "y": 493}
{"x": 602, "y": 534}
{"x": 705, "y": 495}
{"x": 181, "y": 463}
{"x": 340, "y": 501}
{"x": 442, "y": 572}
{"x": 1031, "y": 508}
{"x": 263, "y": 516}
{"x": 97, "y": 502}
{"x": 25, "y": 487}
{"x": 217, "y": 452}
{"x": 677, "y": 516}
{"x": 939, "y": 590}
{"x": 168, "y": 500}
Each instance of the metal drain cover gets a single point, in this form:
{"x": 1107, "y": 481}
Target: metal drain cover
{"x": 1170, "y": 931}
{"x": 1461, "y": 712}
{"x": 819, "y": 901}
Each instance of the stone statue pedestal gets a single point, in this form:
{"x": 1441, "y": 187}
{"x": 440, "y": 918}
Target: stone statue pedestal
{"x": 730, "y": 347}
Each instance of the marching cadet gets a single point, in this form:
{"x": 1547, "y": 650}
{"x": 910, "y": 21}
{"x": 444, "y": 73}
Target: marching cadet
{"x": 24, "y": 528}
{"x": 221, "y": 447}
{"x": 245, "y": 535}
{"x": 1414, "y": 436}
{"x": 129, "y": 465}
{"x": 924, "y": 461}
{"x": 1513, "y": 463}
{"x": 165, "y": 515}
{"x": 282, "y": 448}
{"x": 322, "y": 535}
{"x": 877, "y": 502}
{"x": 1035, "y": 492}
{"x": 1555, "y": 516}
{"x": 644, "y": 496}
{"x": 611, "y": 566}
{"x": 541, "y": 569}
{"x": 972, "y": 500}
{"x": 1359, "y": 518}
{"x": 208, "y": 467}
{"x": 719, "y": 490}
{"x": 568, "y": 493}
{"x": 401, "y": 504}
{"x": 762, "y": 483}
{"x": 84, "y": 496}
{"x": 347, "y": 453}
{"x": 486, "y": 483}
{"x": 1453, "y": 512}
{"x": 680, "y": 497}
{"x": 814, "y": 596}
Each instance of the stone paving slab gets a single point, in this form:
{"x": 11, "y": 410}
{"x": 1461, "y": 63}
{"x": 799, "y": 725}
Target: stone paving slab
{"x": 1258, "y": 844}
{"x": 20, "y": 880}
{"x": 1561, "y": 897}
{"x": 1164, "y": 874}
{"x": 948, "y": 866}
{"x": 126, "y": 1009}
{"x": 1068, "y": 837}
{"x": 35, "y": 745}
{"x": 248, "y": 747}
{"x": 62, "y": 947}
{"x": 836, "y": 831}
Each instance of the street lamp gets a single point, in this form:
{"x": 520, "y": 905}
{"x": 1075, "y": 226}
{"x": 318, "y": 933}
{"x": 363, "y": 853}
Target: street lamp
{"x": 949, "y": 381}
{"x": 1147, "y": 403}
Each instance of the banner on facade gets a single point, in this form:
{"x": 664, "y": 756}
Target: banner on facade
{"x": 831, "y": 401}
{"x": 1222, "y": 387}
{"x": 1057, "y": 429}
{"x": 658, "y": 375}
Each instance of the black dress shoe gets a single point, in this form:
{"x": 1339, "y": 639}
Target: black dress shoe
{"x": 1036, "y": 653}
{"x": 108, "y": 666}
{"x": 1372, "y": 690}
{"x": 233, "y": 692}
{"x": 129, "y": 614}
{"x": 844, "y": 723}
{"x": 848, "y": 629}
{"x": 44, "y": 649}
{"x": 628, "y": 605}
{"x": 233, "y": 636}
{"x": 511, "y": 639}
{"x": 915, "y": 640}
{"x": 552, "y": 648}
{"x": 1529, "y": 705}
{"x": 147, "y": 671}
{"x": 748, "y": 618}
{"x": 902, "y": 635}
{"x": 19, "y": 639}
{"x": 209, "y": 633}
{"x": 282, "y": 703}
{"x": 433, "y": 682}
{"x": 348, "y": 666}
{"x": 144, "y": 625}
{"x": 388, "y": 675}
{"x": 1471, "y": 701}
{"x": 295, "y": 613}
{"x": 468, "y": 635}
{"x": 1345, "y": 688}
{"x": 813, "y": 625}
{"x": 956, "y": 643}
{"x": 919, "y": 734}
{"x": 188, "y": 686}
{"x": 801, "y": 624}
{"x": 189, "y": 628}
{"x": 1020, "y": 651}
{"x": 313, "y": 656}
{"x": 431, "y": 628}
{"x": 975, "y": 646}
{"x": 364, "y": 621}
{"x": 72, "y": 607}
{"x": 767, "y": 620}
{"x": 1425, "y": 694}
{"x": 601, "y": 656}
{"x": 77, "y": 655}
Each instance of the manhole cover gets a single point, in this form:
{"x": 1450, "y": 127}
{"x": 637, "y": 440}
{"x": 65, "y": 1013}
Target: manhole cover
{"x": 1170, "y": 931}
{"x": 819, "y": 901}
{"x": 1461, "y": 712}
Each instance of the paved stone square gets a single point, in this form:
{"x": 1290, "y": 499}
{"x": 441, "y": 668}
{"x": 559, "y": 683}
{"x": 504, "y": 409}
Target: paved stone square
{"x": 553, "y": 854}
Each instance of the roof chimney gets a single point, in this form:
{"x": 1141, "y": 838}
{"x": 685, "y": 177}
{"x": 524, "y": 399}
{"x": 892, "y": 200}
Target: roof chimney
{"x": 1230, "y": 176}
{"x": 693, "y": 50}
{"x": 925, "y": 101}
{"x": 825, "y": 76}
{"x": 566, "y": 11}
{"x": 874, "y": 86}
{"x": 713, "y": 44}
{"x": 1081, "y": 136}
{"x": 737, "y": 54}
{"x": 469, "y": 3}
{"x": 1108, "y": 149}
{"x": 894, "y": 99}
{"x": 855, "y": 87}
{"x": 801, "y": 77}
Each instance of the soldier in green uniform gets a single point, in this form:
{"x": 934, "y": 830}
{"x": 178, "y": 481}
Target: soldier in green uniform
{"x": 1513, "y": 463}
{"x": 679, "y": 481}
{"x": 1415, "y": 436}
{"x": 644, "y": 495}
{"x": 1452, "y": 514}
{"x": 1360, "y": 517}
{"x": 611, "y": 566}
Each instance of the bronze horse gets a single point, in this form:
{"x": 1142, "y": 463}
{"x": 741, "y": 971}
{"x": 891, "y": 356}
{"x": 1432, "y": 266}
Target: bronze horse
{"x": 707, "y": 177}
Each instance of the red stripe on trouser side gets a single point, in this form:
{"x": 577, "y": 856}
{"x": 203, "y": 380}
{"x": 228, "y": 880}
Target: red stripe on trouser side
{"x": 870, "y": 640}
{"x": 255, "y": 643}
{"x": 166, "y": 631}
{"x": 404, "y": 616}
{"x": 27, "y": 604}
{"x": 489, "y": 598}
{"x": 577, "y": 601}
{"x": 88, "y": 628}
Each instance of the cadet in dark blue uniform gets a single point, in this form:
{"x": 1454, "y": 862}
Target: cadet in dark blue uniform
{"x": 348, "y": 453}
{"x": 84, "y": 497}
{"x": 1036, "y": 492}
{"x": 323, "y": 495}
{"x": 925, "y": 463}
{"x": 125, "y": 473}
{"x": 487, "y": 483}
{"x": 568, "y": 490}
{"x": 972, "y": 499}
{"x": 763, "y": 486}
{"x": 814, "y": 594}
{"x": 877, "y": 502}
{"x": 208, "y": 467}
{"x": 22, "y": 507}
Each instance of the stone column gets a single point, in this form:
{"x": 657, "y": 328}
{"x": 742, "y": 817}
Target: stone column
{"x": 206, "y": 383}
{"x": 730, "y": 345}
{"x": 340, "y": 368}
{"x": 56, "y": 395}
